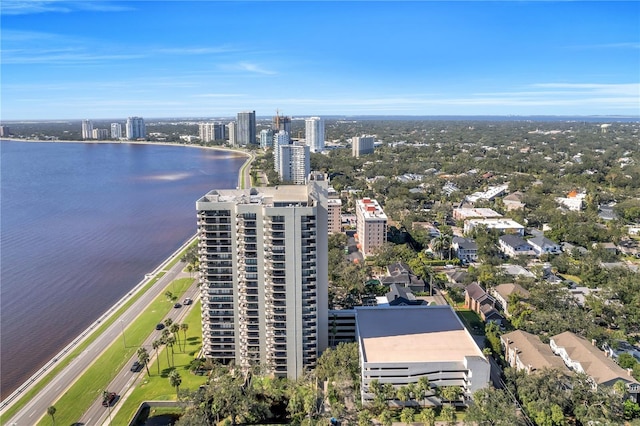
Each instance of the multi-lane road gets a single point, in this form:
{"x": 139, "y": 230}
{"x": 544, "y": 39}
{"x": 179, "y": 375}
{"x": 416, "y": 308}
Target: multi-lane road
{"x": 37, "y": 406}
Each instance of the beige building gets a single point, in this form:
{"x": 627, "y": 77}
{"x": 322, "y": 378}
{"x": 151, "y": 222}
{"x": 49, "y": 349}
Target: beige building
{"x": 371, "y": 224}
{"x": 263, "y": 275}
{"x": 526, "y": 352}
{"x": 401, "y": 344}
{"x": 361, "y": 145}
{"x": 585, "y": 357}
{"x": 464, "y": 213}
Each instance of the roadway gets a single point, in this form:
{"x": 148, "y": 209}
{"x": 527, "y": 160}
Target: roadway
{"x": 37, "y": 406}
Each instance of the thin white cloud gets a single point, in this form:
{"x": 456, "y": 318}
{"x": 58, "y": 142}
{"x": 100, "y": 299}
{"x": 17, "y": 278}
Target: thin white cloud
{"x": 620, "y": 45}
{"x": 196, "y": 50}
{"x": 25, "y": 7}
{"x": 247, "y": 67}
{"x": 219, "y": 95}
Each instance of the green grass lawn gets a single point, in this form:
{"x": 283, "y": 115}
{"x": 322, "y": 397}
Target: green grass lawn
{"x": 95, "y": 380}
{"x": 474, "y": 324}
{"x": 573, "y": 278}
{"x": 157, "y": 387}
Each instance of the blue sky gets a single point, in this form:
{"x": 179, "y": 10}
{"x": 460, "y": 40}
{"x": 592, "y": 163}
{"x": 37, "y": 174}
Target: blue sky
{"x": 111, "y": 59}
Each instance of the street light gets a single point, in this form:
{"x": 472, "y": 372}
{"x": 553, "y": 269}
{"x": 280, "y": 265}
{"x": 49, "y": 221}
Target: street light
{"x": 124, "y": 341}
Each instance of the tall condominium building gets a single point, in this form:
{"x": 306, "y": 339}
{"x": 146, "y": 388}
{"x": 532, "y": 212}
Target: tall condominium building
{"x": 209, "y": 132}
{"x": 361, "y": 145}
{"x": 279, "y": 139}
{"x": 100, "y": 134}
{"x": 263, "y": 276}
{"x": 314, "y": 133}
{"x": 87, "y": 129}
{"x": 246, "y": 131}
{"x": 281, "y": 123}
{"x": 371, "y": 223}
{"x": 231, "y": 131}
{"x": 266, "y": 138}
{"x": 116, "y": 130}
{"x": 4, "y": 131}
{"x": 294, "y": 163}
{"x": 136, "y": 128}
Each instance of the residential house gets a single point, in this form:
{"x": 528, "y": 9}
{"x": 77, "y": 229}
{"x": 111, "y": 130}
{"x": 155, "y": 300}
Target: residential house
{"x": 399, "y": 296}
{"x": 465, "y": 249}
{"x": 513, "y": 245}
{"x": 584, "y": 357}
{"x": 513, "y": 201}
{"x": 400, "y": 273}
{"x": 526, "y": 352}
{"x": 457, "y": 278}
{"x": 482, "y": 303}
{"x": 542, "y": 245}
{"x": 502, "y": 293}
{"x": 516, "y": 271}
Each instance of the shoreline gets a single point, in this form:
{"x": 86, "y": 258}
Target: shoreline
{"x": 43, "y": 371}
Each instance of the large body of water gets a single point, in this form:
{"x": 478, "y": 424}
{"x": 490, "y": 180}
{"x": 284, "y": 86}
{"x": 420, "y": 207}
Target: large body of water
{"x": 80, "y": 226}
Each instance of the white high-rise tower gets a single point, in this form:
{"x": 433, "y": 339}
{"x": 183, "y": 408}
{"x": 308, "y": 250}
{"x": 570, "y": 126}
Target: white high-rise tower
{"x": 314, "y": 133}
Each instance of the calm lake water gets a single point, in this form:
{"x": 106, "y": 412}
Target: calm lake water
{"x": 80, "y": 226}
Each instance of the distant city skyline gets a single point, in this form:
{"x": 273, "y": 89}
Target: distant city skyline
{"x": 101, "y": 59}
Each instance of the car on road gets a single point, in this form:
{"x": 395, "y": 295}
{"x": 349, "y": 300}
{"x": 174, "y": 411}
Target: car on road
{"x": 136, "y": 366}
{"x": 159, "y": 326}
{"x": 177, "y": 305}
{"x": 187, "y": 301}
{"x": 108, "y": 399}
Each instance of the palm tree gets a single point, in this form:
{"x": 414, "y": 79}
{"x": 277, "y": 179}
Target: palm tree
{"x": 184, "y": 327}
{"x": 170, "y": 342}
{"x": 175, "y": 328}
{"x": 143, "y": 357}
{"x": 175, "y": 380}
{"x": 428, "y": 417}
{"x": 105, "y": 400}
{"x": 168, "y": 322}
{"x": 406, "y": 415}
{"x": 437, "y": 246}
{"x": 156, "y": 344}
{"x": 52, "y": 411}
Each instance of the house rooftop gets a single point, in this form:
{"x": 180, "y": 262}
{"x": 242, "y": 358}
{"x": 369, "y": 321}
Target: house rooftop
{"x": 506, "y": 290}
{"x": 532, "y": 352}
{"x": 413, "y": 334}
{"x": 593, "y": 361}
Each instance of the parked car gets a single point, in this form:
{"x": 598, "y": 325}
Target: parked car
{"x": 108, "y": 399}
{"x": 136, "y": 366}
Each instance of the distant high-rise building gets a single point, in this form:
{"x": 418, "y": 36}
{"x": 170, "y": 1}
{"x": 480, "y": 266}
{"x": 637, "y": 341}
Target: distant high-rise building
{"x": 246, "y": 132}
{"x": 87, "y": 129}
{"x": 266, "y": 138}
{"x": 231, "y": 130}
{"x": 371, "y": 223}
{"x": 136, "y": 128}
{"x": 279, "y": 139}
{"x": 362, "y": 145}
{"x": 314, "y": 133}
{"x": 100, "y": 134}
{"x": 294, "y": 163}
{"x": 264, "y": 276}
{"x": 281, "y": 123}
{"x": 116, "y": 130}
{"x": 334, "y": 216}
{"x": 4, "y": 131}
{"x": 211, "y": 132}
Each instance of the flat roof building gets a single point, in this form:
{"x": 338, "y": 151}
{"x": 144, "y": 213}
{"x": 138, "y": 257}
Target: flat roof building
{"x": 361, "y": 145}
{"x": 401, "y": 344}
{"x": 504, "y": 225}
{"x": 263, "y": 275}
{"x": 464, "y": 213}
{"x": 371, "y": 223}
